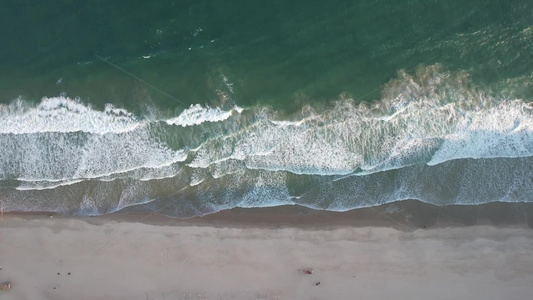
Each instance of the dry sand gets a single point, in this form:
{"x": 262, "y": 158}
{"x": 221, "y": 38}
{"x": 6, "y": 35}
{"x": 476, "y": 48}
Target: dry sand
{"x": 114, "y": 258}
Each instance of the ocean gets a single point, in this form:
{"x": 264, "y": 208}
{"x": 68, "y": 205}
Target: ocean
{"x": 187, "y": 108}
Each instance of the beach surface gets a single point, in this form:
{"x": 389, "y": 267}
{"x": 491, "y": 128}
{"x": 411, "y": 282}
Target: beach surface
{"x": 152, "y": 257}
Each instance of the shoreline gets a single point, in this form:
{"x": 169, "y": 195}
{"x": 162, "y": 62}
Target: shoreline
{"x": 405, "y": 215}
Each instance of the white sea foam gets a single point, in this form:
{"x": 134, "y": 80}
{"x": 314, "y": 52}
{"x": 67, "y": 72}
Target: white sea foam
{"x": 268, "y": 190}
{"x": 62, "y": 114}
{"x": 44, "y": 184}
{"x": 431, "y": 117}
{"x": 65, "y": 157}
{"x": 505, "y": 130}
{"x": 62, "y": 141}
{"x": 197, "y": 114}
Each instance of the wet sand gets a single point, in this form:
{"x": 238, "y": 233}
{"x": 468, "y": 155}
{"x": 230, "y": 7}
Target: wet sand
{"x": 263, "y": 254}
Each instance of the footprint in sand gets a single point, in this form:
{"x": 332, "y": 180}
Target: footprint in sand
{"x": 163, "y": 256}
{"x": 186, "y": 261}
{"x": 186, "y": 296}
{"x": 102, "y": 247}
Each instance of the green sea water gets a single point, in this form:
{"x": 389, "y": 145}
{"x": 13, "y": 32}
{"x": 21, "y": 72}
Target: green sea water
{"x": 192, "y": 107}
{"x": 279, "y": 53}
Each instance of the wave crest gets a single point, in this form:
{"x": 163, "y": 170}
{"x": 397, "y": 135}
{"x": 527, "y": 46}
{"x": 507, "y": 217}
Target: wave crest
{"x": 62, "y": 114}
{"x": 213, "y": 158}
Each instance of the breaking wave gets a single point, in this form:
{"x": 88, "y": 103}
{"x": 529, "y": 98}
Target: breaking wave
{"x": 433, "y": 136}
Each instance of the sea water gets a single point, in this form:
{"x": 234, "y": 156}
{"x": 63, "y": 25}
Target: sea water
{"x": 191, "y": 107}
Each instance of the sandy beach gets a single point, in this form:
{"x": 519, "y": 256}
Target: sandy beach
{"x": 152, "y": 257}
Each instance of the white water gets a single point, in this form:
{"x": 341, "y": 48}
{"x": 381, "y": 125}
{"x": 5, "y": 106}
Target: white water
{"x": 430, "y": 117}
{"x": 196, "y": 114}
{"x": 61, "y": 114}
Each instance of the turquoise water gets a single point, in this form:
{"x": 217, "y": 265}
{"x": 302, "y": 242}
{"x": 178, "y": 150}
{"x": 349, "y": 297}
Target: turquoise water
{"x": 191, "y": 107}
